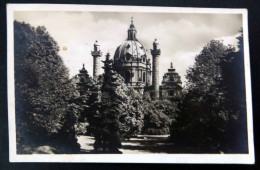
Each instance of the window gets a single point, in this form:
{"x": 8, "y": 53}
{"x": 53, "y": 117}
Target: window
{"x": 128, "y": 56}
{"x": 143, "y": 58}
{"x": 144, "y": 80}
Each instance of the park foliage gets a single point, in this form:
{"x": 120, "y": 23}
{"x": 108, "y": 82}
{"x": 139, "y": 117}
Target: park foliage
{"x": 45, "y": 111}
{"x": 209, "y": 117}
{"x": 212, "y": 114}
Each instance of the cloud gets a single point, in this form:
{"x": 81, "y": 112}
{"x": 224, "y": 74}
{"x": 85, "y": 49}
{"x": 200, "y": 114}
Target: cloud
{"x": 181, "y": 36}
{"x": 230, "y": 40}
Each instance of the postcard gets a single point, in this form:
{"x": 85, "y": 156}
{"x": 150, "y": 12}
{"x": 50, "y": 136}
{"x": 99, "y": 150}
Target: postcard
{"x": 128, "y": 84}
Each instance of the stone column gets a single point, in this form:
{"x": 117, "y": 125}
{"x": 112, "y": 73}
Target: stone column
{"x": 96, "y": 66}
{"x": 155, "y": 76}
{"x": 96, "y": 59}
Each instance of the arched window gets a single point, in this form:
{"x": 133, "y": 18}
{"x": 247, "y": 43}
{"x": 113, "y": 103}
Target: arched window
{"x": 144, "y": 77}
{"x": 128, "y": 57}
{"x": 127, "y": 76}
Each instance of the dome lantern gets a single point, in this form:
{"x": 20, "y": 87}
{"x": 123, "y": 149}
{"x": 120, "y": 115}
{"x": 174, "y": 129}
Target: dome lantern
{"x": 131, "y": 31}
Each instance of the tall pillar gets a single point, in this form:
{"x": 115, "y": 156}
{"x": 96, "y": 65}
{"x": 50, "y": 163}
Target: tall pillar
{"x": 156, "y": 52}
{"x": 96, "y": 59}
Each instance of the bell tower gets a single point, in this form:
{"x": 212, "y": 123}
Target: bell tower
{"x": 96, "y": 59}
{"x": 156, "y": 52}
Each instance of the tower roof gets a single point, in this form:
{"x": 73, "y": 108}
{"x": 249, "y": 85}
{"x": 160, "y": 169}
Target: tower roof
{"x": 171, "y": 77}
{"x": 83, "y": 70}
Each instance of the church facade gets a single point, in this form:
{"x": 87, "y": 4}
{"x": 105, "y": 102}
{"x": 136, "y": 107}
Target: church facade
{"x": 140, "y": 70}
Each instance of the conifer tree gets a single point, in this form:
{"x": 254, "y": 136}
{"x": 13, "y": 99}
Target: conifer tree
{"x": 115, "y": 111}
{"x": 107, "y": 137}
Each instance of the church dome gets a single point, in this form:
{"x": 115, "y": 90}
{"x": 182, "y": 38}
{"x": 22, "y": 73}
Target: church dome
{"x": 131, "y": 61}
{"x": 130, "y": 50}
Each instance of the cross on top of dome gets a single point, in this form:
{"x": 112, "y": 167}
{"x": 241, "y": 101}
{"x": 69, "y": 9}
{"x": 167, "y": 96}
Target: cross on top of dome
{"x": 132, "y": 23}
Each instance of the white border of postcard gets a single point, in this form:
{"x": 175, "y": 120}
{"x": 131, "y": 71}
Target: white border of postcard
{"x": 124, "y": 158}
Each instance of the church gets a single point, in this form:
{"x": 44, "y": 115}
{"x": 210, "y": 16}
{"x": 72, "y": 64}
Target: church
{"x": 140, "y": 70}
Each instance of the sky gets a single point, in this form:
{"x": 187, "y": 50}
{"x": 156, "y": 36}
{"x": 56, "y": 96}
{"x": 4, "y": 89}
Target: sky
{"x": 181, "y": 35}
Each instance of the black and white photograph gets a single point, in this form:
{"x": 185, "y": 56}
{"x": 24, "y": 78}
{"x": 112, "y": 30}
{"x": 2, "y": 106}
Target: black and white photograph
{"x": 96, "y": 83}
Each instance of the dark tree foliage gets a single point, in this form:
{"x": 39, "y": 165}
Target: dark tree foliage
{"x": 115, "y": 112}
{"x": 44, "y": 94}
{"x": 168, "y": 107}
{"x": 213, "y": 106}
{"x": 132, "y": 117}
{"x": 84, "y": 91}
{"x": 235, "y": 99}
{"x": 158, "y": 116}
{"x": 93, "y": 104}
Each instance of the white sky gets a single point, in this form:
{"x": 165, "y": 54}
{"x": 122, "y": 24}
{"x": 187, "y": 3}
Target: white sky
{"x": 181, "y": 36}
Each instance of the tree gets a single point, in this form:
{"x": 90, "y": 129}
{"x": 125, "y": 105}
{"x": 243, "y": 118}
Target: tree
{"x": 44, "y": 92}
{"x": 203, "y": 120}
{"x": 115, "y": 111}
{"x": 158, "y": 116}
{"x": 132, "y": 118}
{"x": 235, "y": 100}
